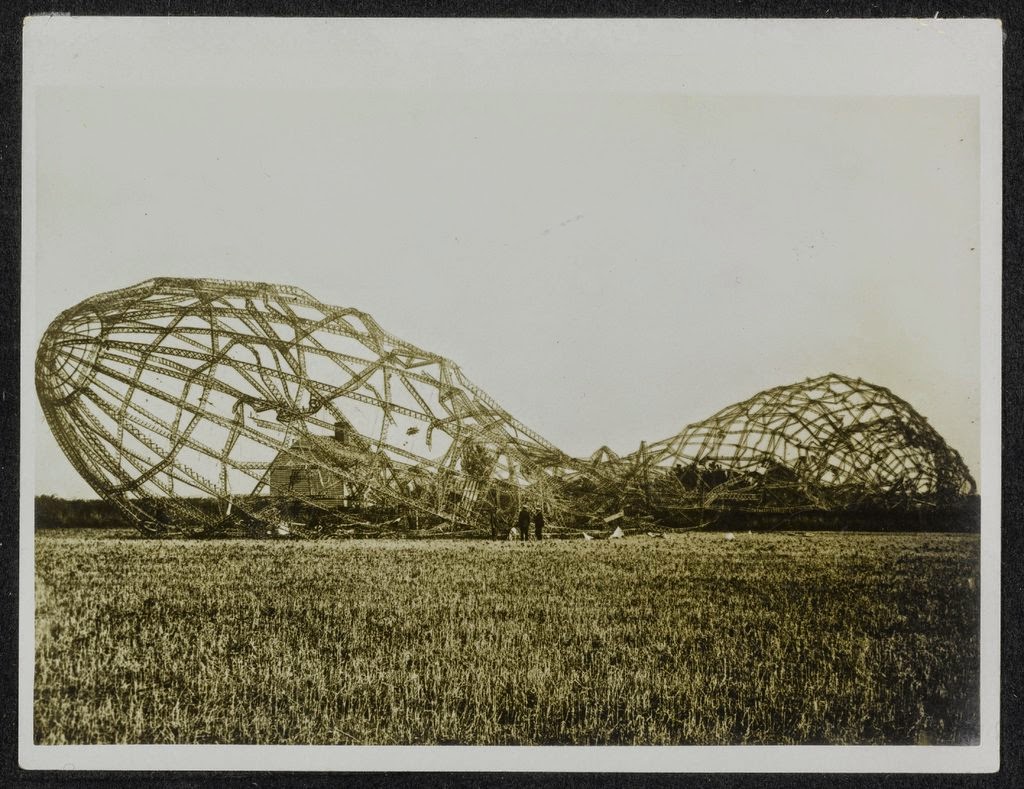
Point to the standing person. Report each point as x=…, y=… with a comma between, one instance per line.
x=524, y=524
x=538, y=524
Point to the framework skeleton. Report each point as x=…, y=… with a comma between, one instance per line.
x=828, y=443
x=215, y=407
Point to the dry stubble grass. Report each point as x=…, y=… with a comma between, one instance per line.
x=770, y=638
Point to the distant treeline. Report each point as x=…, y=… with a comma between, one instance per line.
x=962, y=517
x=53, y=512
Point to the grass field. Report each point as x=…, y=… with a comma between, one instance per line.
x=768, y=638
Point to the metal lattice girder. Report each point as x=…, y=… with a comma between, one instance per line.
x=178, y=389
x=200, y=405
x=826, y=443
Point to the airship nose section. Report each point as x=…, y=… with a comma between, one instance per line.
x=67, y=354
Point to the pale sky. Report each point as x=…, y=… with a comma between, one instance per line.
x=608, y=264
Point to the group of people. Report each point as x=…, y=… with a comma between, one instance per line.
x=521, y=531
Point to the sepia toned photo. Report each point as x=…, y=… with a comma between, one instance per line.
x=494, y=385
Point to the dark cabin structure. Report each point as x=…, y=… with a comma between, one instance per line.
x=306, y=469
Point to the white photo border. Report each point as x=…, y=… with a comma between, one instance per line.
x=702, y=57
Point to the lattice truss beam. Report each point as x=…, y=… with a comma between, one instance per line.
x=208, y=406
x=828, y=443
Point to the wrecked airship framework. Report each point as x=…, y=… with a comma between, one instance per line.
x=209, y=407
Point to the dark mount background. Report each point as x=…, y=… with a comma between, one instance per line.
x=1012, y=400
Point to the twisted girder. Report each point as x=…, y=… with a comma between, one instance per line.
x=827, y=442
x=176, y=393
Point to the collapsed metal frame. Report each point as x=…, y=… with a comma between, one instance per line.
x=828, y=443
x=181, y=400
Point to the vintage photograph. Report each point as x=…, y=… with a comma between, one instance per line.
x=491, y=383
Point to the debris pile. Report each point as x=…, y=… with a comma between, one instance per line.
x=209, y=408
